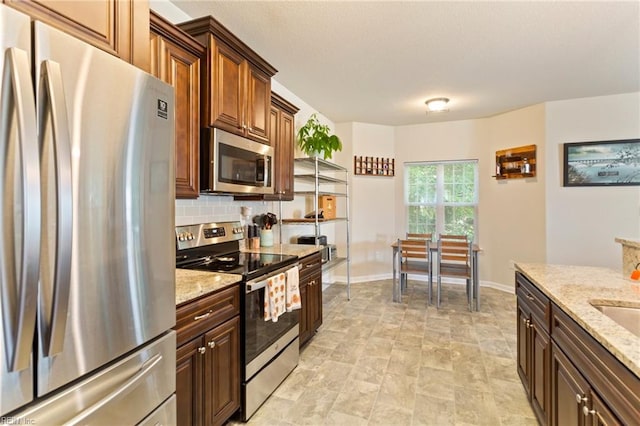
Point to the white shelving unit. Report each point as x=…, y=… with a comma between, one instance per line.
x=317, y=166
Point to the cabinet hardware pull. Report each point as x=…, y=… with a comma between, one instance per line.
x=580, y=398
x=212, y=344
x=586, y=411
x=530, y=297
x=202, y=350
x=203, y=316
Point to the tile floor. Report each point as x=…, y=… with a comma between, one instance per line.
x=374, y=362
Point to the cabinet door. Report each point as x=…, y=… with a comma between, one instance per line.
x=569, y=391
x=120, y=27
x=181, y=69
x=189, y=382
x=281, y=138
x=540, y=375
x=315, y=302
x=305, y=327
x=600, y=412
x=226, y=88
x=258, y=103
x=222, y=372
x=523, y=345
x=285, y=151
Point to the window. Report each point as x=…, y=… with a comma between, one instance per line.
x=442, y=197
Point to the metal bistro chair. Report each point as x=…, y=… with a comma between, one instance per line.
x=454, y=257
x=415, y=258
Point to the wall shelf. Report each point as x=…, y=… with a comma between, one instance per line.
x=516, y=163
x=373, y=166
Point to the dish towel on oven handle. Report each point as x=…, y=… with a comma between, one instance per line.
x=293, y=289
x=274, y=297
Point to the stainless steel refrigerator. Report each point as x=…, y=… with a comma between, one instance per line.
x=87, y=274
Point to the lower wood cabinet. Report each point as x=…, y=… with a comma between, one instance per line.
x=570, y=390
x=310, y=296
x=208, y=365
x=571, y=379
x=534, y=346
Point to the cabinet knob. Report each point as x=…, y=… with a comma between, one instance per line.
x=580, y=398
x=586, y=411
x=212, y=344
x=202, y=350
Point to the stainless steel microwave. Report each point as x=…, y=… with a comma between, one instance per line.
x=232, y=164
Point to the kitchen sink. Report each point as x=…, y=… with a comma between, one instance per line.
x=628, y=317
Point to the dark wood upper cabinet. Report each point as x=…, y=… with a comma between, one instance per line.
x=283, y=141
x=175, y=59
x=120, y=27
x=236, y=82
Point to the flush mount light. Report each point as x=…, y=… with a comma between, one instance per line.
x=437, y=105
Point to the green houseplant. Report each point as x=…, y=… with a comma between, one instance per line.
x=314, y=139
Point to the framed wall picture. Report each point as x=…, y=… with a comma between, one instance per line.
x=602, y=163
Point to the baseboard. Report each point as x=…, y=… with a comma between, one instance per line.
x=456, y=281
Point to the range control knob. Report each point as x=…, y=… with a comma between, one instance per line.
x=181, y=237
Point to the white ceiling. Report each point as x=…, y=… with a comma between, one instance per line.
x=378, y=61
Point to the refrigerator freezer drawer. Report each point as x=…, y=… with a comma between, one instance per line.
x=123, y=393
x=164, y=414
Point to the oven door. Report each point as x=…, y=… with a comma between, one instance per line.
x=234, y=164
x=264, y=338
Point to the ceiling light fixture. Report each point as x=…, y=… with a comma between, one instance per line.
x=437, y=105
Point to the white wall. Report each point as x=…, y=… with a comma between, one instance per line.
x=372, y=200
x=512, y=211
x=582, y=222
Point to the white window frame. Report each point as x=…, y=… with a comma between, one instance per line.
x=439, y=204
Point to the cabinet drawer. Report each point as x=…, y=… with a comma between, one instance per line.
x=200, y=315
x=310, y=264
x=537, y=302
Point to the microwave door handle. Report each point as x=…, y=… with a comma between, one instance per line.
x=267, y=171
x=20, y=275
x=52, y=112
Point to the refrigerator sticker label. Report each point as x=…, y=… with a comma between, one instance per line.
x=162, y=109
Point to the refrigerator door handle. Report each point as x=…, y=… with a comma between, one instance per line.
x=55, y=273
x=19, y=274
x=144, y=371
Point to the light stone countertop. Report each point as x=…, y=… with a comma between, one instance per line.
x=573, y=287
x=192, y=284
x=300, y=250
x=628, y=242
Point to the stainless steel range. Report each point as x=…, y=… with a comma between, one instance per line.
x=269, y=349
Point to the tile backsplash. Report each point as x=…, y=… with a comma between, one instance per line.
x=216, y=208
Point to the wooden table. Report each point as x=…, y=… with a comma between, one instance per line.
x=475, y=281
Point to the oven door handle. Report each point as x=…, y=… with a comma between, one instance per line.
x=261, y=282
